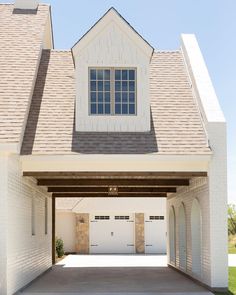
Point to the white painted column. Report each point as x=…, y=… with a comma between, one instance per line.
x=218, y=207
x=215, y=126
x=3, y=224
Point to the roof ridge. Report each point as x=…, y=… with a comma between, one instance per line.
x=60, y=50
x=12, y=4
x=167, y=51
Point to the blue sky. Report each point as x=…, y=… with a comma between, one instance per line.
x=161, y=23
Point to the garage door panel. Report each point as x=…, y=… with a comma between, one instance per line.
x=113, y=235
x=155, y=235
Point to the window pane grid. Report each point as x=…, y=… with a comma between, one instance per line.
x=125, y=92
x=106, y=99
x=100, y=97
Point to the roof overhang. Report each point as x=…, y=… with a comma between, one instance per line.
x=123, y=176
x=127, y=162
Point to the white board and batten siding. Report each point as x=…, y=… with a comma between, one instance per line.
x=112, y=44
x=112, y=233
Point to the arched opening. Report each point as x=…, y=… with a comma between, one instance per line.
x=172, y=257
x=182, y=238
x=196, y=233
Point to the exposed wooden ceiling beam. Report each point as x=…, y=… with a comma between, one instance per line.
x=105, y=195
x=104, y=189
x=116, y=182
x=68, y=174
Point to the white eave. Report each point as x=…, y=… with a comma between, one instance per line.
x=201, y=80
x=126, y=162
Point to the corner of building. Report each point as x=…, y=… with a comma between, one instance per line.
x=215, y=126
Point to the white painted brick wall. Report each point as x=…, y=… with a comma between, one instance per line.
x=3, y=225
x=199, y=189
x=27, y=256
x=215, y=125
x=218, y=207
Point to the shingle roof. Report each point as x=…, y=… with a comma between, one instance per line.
x=21, y=34
x=175, y=119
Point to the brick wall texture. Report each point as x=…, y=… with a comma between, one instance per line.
x=198, y=189
x=27, y=255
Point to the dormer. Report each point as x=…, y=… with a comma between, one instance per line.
x=112, y=77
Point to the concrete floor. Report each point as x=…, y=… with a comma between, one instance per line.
x=75, y=276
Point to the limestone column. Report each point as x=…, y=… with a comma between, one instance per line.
x=139, y=233
x=82, y=233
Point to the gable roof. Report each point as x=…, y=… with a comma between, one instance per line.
x=21, y=34
x=176, y=122
x=112, y=15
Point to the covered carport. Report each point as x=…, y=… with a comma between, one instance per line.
x=106, y=274
x=117, y=185
x=180, y=179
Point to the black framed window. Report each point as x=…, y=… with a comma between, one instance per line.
x=112, y=91
x=100, y=91
x=125, y=91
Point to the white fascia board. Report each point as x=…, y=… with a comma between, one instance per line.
x=9, y=148
x=112, y=16
x=187, y=163
x=201, y=80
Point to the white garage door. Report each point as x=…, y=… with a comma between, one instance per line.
x=112, y=233
x=155, y=234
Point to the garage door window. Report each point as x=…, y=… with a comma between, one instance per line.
x=122, y=217
x=156, y=217
x=102, y=217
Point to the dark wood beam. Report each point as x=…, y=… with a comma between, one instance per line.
x=115, y=182
x=105, y=195
x=82, y=189
x=71, y=174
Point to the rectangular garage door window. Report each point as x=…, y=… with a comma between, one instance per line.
x=122, y=217
x=156, y=217
x=102, y=217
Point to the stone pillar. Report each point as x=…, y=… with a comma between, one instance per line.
x=139, y=233
x=82, y=233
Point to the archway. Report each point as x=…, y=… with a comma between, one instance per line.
x=182, y=238
x=196, y=233
x=172, y=234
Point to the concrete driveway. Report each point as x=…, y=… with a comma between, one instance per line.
x=113, y=274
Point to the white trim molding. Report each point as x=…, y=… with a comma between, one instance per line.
x=187, y=163
x=201, y=80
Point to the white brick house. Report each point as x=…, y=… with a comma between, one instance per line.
x=112, y=119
